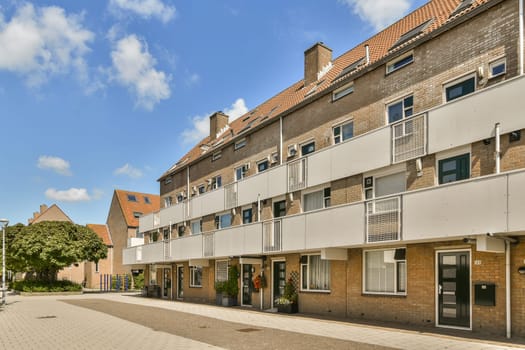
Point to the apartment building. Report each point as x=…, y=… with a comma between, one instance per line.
x=387, y=184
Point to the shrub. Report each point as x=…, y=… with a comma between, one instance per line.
x=45, y=287
x=138, y=281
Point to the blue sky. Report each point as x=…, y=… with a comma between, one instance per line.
x=99, y=95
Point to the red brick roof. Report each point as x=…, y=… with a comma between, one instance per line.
x=129, y=207
x=437, y=12
x=103, y=232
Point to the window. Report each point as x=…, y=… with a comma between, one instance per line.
x=316, y=200
x=385, y=271
x=97, y=267
x=181, y=197
x=240, y=172
x=223, y=221
x=454, y=169
x=167, y=201
x=167, y=180
x=181, y=229
x=247, y=216
x=343, y=91
x=279, y=209
x=262, y=165
x=137, y=214
x=132, y=198
x=384, y=185
x=202, y=189
x=154, y=236
x=221, y=270
x=459, y=88
x=399, y=62
x=147, y=200
x=239, y=144
x=216, y=156
x=315, y=273
x=153, y=274
x=401, y=109
x=343, y=132
x=307, y=148
x=195, y=276
x=196, y=227
x=166, y=234
x=216, y=182
x=497, y=67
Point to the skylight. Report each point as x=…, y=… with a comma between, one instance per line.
x=464, y=4
x=412, y=33
x=352, y=67
x=132, y=198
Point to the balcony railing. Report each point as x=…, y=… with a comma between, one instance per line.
x=297, y=174
x=409, y=139
x=383, y=220
x=272, y=238
x=208, y=245
x=230, y=195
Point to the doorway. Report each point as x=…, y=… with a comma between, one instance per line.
x=453, y=289
x=166, y=283
x=180, y=282
x=278, y=279
x=247, y=275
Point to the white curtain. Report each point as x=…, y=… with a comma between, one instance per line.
x=313, y=201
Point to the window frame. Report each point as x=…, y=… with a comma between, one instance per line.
x=326, y=193
x=242, y=174
x=341, y=126
x=194, y=269
x=239, y=144
x=343, y=91
x=304, y=144
x=391, y=67
x=457, y=81
x=456, y=157
x=243, y=217
x=397, y=290
x=495, y=63
x=262, y=161
x=404, y=108
x=131, y=197
x=192, y=222
x=218, y=220
x=216, y=156
x=216, y=182
x=168, y=201
x=201, y=189
x=307, y=266
x=217, y=262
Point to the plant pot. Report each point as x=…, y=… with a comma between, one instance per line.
x=229, y=301
x=218, y=298
x=288, y=308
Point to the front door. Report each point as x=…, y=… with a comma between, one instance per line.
x=246, y=284
x=279, y=278
x=454, y=289
x=180, y=282
x=166, y=284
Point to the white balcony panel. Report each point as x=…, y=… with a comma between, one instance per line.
x=517, y=202
x=134, y=241
x=173, y=214
x=472, y=118
x=456, y=210
x=359, y=155
x=146, y=223
x=129, y=256
x=211, y=202
x=185, y=248
x=152, y=253
x=335, y=227
x=294, y=233
x=319, y=165
x=277, y=182
x=240, y=240
x=249, y=188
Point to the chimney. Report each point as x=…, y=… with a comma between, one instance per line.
x=315, y=59
x=43, y=208
x=218, y=121
x=367, y=54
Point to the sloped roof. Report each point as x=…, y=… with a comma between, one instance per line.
x=103, y=232
x=53, y=213
x=436, y=12
x=129, y=207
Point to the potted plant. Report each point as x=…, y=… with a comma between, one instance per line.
x=288, y=303
x=231, y=287
x=219, y=290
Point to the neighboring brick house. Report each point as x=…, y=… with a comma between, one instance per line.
x=94, y=272
x=388, y=183
x=122, y=222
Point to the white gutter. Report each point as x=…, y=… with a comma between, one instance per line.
x=498, y=149
x=258, y=207
x=508, y=309
x=521, y=35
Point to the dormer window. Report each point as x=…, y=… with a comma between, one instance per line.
x=147, y=200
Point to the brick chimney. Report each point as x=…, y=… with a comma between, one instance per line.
x=218, y=121
x=315, y=59
x=43, y=208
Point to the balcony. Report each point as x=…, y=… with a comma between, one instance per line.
x=453, y=211
x=462, y=121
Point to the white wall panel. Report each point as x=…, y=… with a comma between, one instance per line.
x=173, y=214
x=293, y=233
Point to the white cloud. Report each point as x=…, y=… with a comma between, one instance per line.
x=201, y=123
x=71, y=195
x=129, y=170
x=57, y=164
x=40, y=42
x=193, y=79
x=145, y=8
x=133, y=67
x=379, y=13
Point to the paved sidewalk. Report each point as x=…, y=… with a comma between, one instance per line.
x=48, y=323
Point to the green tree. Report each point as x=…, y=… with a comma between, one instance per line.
x=44, y=248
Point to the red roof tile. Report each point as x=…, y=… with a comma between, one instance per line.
x=103, y=232
x=140, y=206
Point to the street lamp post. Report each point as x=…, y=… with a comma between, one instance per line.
x=3, y=223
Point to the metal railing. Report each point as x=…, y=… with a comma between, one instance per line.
x=383, y=220
x=272, y=237
x=297, y=174
x=409, y=138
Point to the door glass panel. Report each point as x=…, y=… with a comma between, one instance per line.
x=449, y=312
x=449, y=273
x=449, y=260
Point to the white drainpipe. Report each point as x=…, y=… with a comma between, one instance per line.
x=521, y=35
x=498, y=149
x=259, y=207
x=281, y=140
x=367, y=53
x=507, y=290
